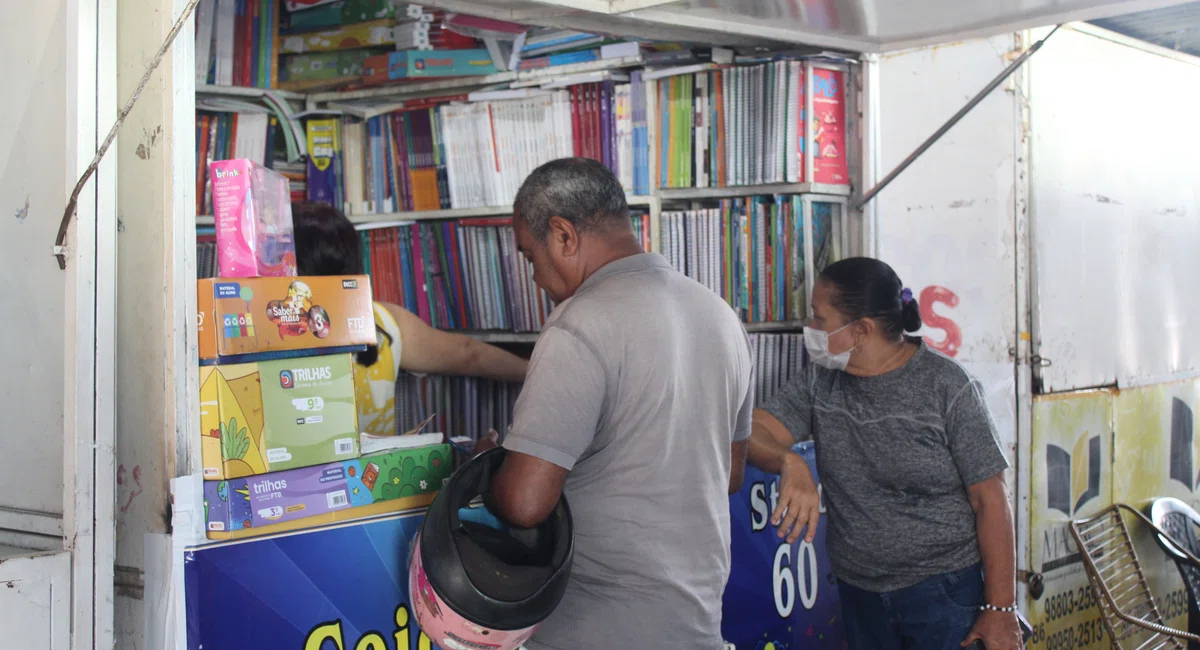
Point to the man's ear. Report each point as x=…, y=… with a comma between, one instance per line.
x=563, y=236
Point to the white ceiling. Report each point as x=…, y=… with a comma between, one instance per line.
x=857, y=25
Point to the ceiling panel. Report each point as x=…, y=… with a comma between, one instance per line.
x=1175, y=28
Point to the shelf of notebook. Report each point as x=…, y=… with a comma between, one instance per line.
x=732, y=191
x=433, y=87
x=246, y=92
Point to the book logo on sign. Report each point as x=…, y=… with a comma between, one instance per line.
x=1072, y=482
x=286, y=380
x=356, y=324
x=1183, y=445
x=1073, y=479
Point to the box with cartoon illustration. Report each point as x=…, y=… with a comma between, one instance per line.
x=275, y=415
x=262, y=318
x=260, y=505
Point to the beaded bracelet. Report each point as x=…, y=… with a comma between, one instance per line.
x=992, y=608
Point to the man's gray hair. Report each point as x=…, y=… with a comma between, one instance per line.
x=580, y=190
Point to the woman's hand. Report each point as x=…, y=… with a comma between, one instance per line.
x=996, y=630
x=799, y=504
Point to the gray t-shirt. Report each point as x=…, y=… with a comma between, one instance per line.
x=638, y=385
x=896, y=453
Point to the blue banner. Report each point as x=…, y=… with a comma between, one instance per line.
x=347, y=588
x=780, y=596
x=332, y=589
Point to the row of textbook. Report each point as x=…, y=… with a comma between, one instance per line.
x=733, y=126
x=464, y=274
x=754, y=252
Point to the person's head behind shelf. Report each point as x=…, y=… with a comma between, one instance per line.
x=570, y=217
x=326, y=241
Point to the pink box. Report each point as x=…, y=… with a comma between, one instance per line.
x=252, y=211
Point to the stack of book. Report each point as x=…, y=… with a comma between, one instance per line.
x=236, y=43
x=746, y=125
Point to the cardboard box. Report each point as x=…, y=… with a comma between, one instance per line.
x=260, y=505
x=269, y=318
x=345, y=37
x=324, y=66
x=398, y=66
x=275, y=415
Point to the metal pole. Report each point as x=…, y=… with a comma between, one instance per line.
x=1012, y=67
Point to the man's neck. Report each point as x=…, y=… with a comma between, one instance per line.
x=609, y=250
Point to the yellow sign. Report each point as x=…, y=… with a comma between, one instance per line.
x=1071, y=479
x=1157, y=454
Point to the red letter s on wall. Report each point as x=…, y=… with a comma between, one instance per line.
x=953, y=339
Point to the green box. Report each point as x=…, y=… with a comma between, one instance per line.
x=346, y=12
x=309, y=413
x=325, y=66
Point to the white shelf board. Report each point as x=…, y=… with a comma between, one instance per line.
x=426, y=88
x=390, y=219
x=531, y=337
x=778, y=326
x=689, y=193
x=242, y=91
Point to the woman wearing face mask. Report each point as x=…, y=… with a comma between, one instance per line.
x=920, y=532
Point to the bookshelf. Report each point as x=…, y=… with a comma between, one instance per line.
x=389, y=219
x=667, y=115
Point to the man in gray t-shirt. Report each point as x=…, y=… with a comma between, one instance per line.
x=637, y=406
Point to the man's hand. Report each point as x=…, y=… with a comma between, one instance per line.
x=486, y=442
x=996, y=630
x=799, y=504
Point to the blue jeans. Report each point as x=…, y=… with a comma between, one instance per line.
x=936, y=614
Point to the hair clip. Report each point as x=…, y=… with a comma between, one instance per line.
x=906, y=296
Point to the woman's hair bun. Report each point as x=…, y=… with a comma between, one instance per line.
x=910, y=313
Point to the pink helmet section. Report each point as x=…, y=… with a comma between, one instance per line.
x=444, y=626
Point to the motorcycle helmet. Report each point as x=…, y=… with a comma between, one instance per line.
x=477, y=586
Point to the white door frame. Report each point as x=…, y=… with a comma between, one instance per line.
x=89, y=418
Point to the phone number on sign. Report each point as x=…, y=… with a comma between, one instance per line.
x=1082, y=635
x=1068, y=603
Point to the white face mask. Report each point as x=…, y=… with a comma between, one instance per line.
x=817, y=343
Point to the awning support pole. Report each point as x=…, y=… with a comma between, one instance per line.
x=962, y=112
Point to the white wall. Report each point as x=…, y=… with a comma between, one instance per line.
x=947, y=224
x=33, y=191
x=1116, y=212
x=156, y=180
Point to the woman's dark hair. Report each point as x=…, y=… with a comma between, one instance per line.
x=328, y=244
x=868, y=288
x=326, y=241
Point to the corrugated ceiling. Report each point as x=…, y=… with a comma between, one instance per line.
x=1176, y=28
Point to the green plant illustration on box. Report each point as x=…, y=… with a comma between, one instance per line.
x=235, y=442
x=410, y=474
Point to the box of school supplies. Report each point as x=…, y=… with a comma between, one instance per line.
x=260, y=318
x=252, y=214
x=416, y=64
x=361, y=487
x=269, y=416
